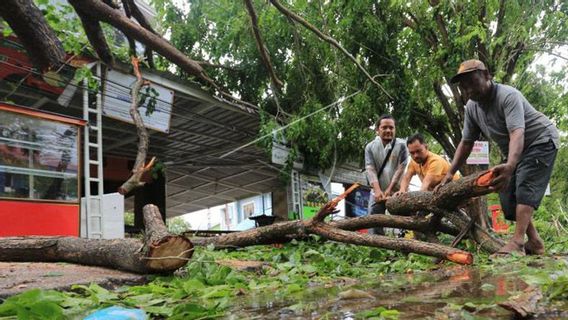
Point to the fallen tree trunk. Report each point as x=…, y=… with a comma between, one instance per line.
x=443, y=204
x=286, y=231
x=160, y=252
x=316, y=225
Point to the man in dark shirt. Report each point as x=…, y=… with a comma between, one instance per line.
x=527, y=139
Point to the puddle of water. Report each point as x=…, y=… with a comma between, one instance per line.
x=453, y=293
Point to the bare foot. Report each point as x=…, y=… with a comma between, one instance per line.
x=509, y=248
x=534, y=247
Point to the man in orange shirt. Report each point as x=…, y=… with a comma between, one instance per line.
x=430, y=167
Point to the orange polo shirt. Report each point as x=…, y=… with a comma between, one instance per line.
x=435, y=165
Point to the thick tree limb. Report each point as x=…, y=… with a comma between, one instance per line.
x=403, y=245
x=143, y=139
x=139, y=16
x=449, y=197
x=285, y=231
x=27, y=21
x=316, y=225
x=481, y=236
x=511, y=63
x=327, y=39
x=160, y=253
x=440, y=22
x=436, y=128
x=96, y=38
x=131, y=42
x=445, y=202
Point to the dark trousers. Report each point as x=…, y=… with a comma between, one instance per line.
x=378, y=208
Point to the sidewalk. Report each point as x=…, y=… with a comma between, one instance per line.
x=16, y=277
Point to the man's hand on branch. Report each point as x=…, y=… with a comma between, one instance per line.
x=502, y=175
x=447, y=178
x=379, y=195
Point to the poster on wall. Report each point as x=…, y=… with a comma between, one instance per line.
x=479, y=153
x=357, y=202
x=116, y=102
x=313, y=196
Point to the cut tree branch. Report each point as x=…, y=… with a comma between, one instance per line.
x=327, y=39
x=283, y=232
x=512, y=60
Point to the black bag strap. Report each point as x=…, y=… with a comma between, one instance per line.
x=386, y=159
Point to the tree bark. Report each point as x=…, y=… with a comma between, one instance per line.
x=134, y=181
x=286, y=231
x=159, y=253
x=40, y=41
x=446, y=201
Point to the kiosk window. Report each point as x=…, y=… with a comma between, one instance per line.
x=38, y=158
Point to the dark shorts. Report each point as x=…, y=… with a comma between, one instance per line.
x=529, y=181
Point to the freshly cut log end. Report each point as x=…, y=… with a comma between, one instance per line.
x=169, y=253
x=484, y=180
x=461, y=257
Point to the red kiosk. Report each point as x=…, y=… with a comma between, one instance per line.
x=39, y=172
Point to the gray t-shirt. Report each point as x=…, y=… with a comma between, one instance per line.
x=507, y=111
x=375, y=154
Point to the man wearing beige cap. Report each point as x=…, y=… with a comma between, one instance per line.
x=528, y=141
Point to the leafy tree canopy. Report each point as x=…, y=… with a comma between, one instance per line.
x=412, y=48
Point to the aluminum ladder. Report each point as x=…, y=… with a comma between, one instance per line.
x=296, y=193
x=93, y=141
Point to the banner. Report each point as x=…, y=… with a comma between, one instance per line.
x=117, y=99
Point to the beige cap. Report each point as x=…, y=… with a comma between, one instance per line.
x=467, y=67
